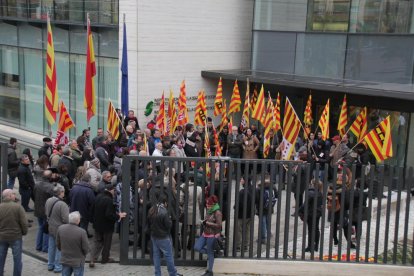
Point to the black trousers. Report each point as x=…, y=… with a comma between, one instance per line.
x=101, y=242
x=315, y=230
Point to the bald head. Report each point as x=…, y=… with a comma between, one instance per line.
x=8, y=194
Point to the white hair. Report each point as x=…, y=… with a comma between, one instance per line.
x=74, y=217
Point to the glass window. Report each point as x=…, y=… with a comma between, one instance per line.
x=92, y=7
x=78, y=41
x=62, y=10
x=328, y=15
x=60, y=39
x=274, y=51
x=108, y=12
x=380, y=58
x=280, y=15
x=8, y=34
x=35, y=9
x=30, y=36
x=379, y=16
x=32, y=90
x=108, y=40
x=9, y=85
x=320, y=55
x=76, y=10
x=62, y=73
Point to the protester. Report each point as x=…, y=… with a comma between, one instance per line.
x=245, y=215
x=26, y=182
x=93, y=168
x=56, y=156
x=73, y=243
x=234, y=143
x=13, y=225
x=212, y=228
x=12, y=163
x=57, y=212
x=160, y=225
x=47, y=147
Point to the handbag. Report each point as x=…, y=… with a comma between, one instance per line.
x=46, y=225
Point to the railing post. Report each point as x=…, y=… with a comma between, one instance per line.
x=126, y=179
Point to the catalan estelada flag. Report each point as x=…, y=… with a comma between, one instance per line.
x=90, y=96
x=161, y=115
x=343, y=117
x=182, y=106
x=51, y=93
x=245, y=121
x=307, y=116
x=324, y=122
x=359, y=126
x=235, y=99
x=276, y=112
x=113, y=121
x=218, y=102
x=65, y=123
x=172, y=114
x=291, y=128
x=201, y=110
x=268, y=126
x=259, y=108
x=379, y=140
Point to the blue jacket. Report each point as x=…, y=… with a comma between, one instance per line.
x=82, y=198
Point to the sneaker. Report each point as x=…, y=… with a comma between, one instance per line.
x=92, y=264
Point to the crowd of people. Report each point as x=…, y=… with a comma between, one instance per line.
x=81, y=182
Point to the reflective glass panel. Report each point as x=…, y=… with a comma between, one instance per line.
x=328, y=15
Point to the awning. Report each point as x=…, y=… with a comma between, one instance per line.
x=367, y=88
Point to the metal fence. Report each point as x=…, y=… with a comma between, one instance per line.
x=3, y=165
x=273, y=209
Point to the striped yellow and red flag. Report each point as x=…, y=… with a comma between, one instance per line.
x=324, y=122
x=235, y=99
x=291, y=128
x=379, y=140
x=65, y=123
x=276, y=112
x=201, y=110
x=307, y=116
x=245, y=121
x=182, y=106
x=90, y=96
x=359, y=126
x=172, y=115
x=224, y=119
x=230, y=124
x=253, y=100
x=218, y=102
x=161, y=115
x=259, y=108
x=218, y=151
x=113, y=121
x=51, y=93
x=343, y=117
x=268, y=126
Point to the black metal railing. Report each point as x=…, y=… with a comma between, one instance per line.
x=273, y=209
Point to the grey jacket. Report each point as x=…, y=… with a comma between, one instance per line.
x=58, y=216
x=73, y=243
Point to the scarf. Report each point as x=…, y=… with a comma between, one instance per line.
x=214, y=208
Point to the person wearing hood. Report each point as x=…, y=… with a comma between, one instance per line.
x=93, y=168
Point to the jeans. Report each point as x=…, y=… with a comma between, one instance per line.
x=265, y=225
x=10, y=182
x=53, y=259
x=16, y=247
x=164, y=246
x=206, y=246
x=68, y=270
x=42, y=239
x=25, y=195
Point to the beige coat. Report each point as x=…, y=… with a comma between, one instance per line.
x=250, y=147
x=189, y=206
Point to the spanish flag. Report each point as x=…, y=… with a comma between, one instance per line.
x=51, y=93
x=90, y=96
x=379, y=140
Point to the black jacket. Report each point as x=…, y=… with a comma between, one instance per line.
x=104, y=213
x=190, y=147
x=82, y=198
x=12, y=161
x=159, y=221
x=313, y=195
x=234, y=145
x=45, y=150
x=70, y=164
x=103, y=157
x=246, y=191
x=25, y=176
x=42, y=192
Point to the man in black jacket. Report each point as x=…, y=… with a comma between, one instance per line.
x=160, y=224
x=12, y=163
x=47, y=148
x=104, y=218
x=68, y=161
x=245, y=214
x=26, y=182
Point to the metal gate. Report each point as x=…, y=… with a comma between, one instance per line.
x=3, y=165
x=268, y=207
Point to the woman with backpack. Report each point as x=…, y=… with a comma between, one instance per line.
x=205, y=244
